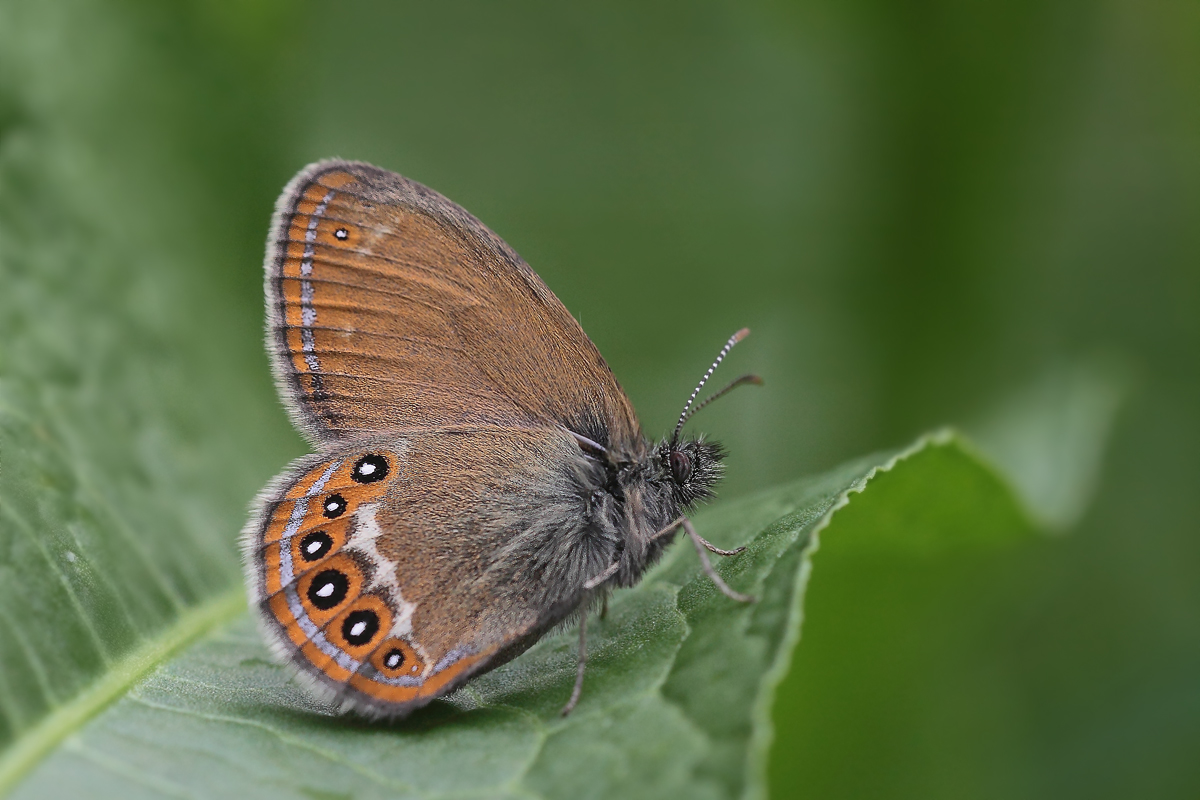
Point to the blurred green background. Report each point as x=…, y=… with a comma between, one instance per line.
x=920, y=209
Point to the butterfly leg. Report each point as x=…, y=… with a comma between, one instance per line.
x=709, y=546
x=603, y=576
x=674, y=526
x=702, y=547
x=578, y=690
x=604, y=607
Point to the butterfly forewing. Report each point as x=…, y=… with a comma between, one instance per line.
x=390, y=307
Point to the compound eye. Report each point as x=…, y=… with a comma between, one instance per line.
x=681, y=466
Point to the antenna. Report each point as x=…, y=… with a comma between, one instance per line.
x=683, y=417
x=729, y=387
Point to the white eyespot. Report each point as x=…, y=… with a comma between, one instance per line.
x=393, y=660
x=357, y=629
x=314, y=546
x=325, y=591
x=367, y=468
x=414, y=668
x=331, y=506
x=341, y=234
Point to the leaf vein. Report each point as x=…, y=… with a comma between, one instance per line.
x=291, y=741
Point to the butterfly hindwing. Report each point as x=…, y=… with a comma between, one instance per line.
x=391, y=570
x=390, y=307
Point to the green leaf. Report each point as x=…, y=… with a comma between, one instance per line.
x=676, y=702
x=140, y=147
x=1050, y=436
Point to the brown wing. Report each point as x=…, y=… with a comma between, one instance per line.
x=389, y=307
x=451, y=554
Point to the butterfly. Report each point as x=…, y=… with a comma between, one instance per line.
x=479, y=475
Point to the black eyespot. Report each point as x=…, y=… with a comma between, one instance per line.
x=342, y=234
x=681, y=466
x=315, y=545
x=335, y=506
x=328, y=589
x=370, y=468
x=360, y=627
x=394, y=659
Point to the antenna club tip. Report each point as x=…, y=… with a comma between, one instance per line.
x=755, y=379
x=742, y=334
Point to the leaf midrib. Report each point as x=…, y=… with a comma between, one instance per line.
x=35, y=743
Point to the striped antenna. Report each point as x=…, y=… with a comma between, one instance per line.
x=683, y=417
x=729, y=387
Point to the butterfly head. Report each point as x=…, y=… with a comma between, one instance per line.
x=693, y=468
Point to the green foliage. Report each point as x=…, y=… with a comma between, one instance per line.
x=978, y=214
x=678, y=691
